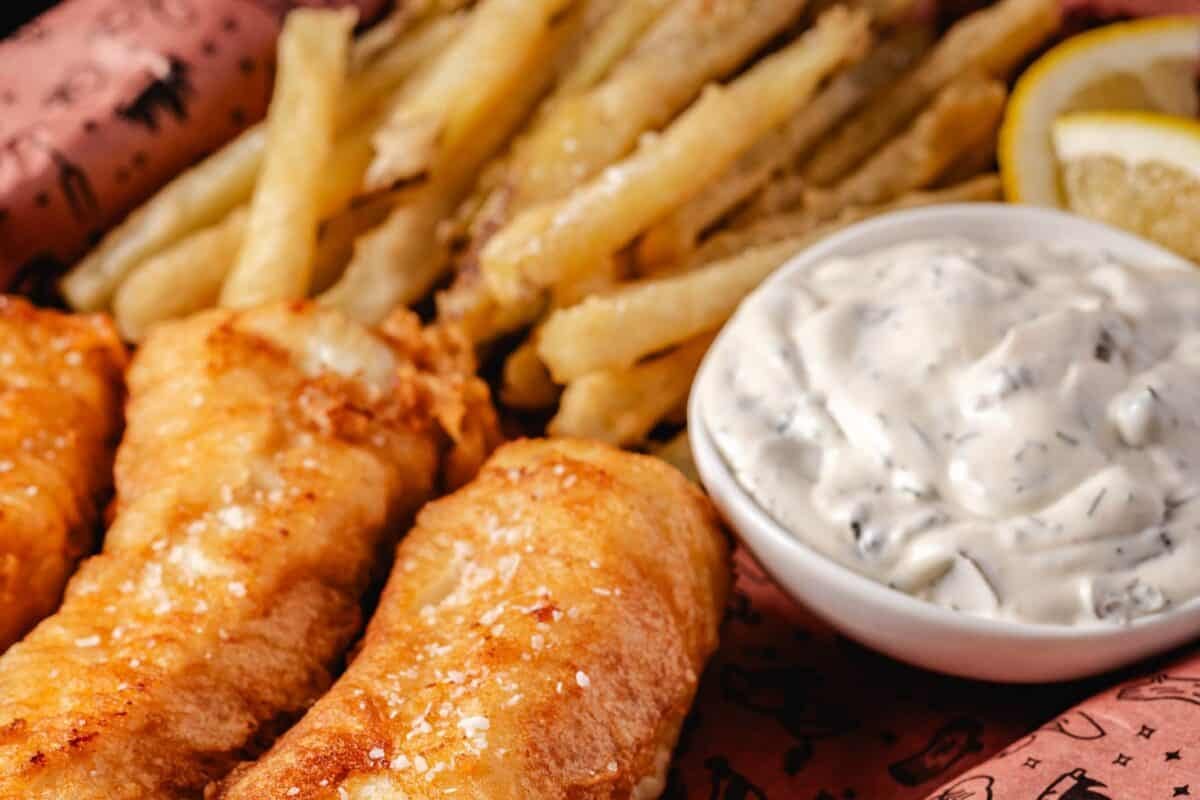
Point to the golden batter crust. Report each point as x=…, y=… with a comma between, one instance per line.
x=541, y=636
x=61, y=389
x=267, y=456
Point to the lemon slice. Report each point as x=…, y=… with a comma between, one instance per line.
x=1136, y=170
x=1147, y=65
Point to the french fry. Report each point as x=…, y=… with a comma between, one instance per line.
x=937, y=137
x=618, y=329
x=399, y=261
x=548, y=243
x=379, y=78
x=695, y=42
x=883, y=12
x=275, y=261
x=196, y=198
x=590, y=16
x=204, y=258
x=525, y=382
x=845, y=95
x=886, y=12
x=789, y=192
x=610, y=42
x=576, y=133
x=201, y=196
x=975, y=151
x=579, y=134
x=395, y=263
x=205, y=194
x=451, y=101
x=964, y=114
x=783, y=194
x=385, y=33
x=980, y=189
x=671, y=238
x=993, y=41
x=336, y=238
x=470, y=305
x=677, y=451
x=390, y=36
x=620, y=406
x=975, y=160
x=593, y=16
x=341, y=176
x=604, y=278
x=183, y=279
x=805, y=228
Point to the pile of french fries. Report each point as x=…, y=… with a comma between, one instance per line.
x=605, y=178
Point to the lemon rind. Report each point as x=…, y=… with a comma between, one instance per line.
x=1038, y=81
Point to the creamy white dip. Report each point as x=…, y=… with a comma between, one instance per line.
x=1014, y=433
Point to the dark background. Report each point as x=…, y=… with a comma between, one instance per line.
x=15, y=13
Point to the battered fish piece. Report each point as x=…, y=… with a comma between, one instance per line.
x=61, y=389
x=268, y=454
x=540, y=637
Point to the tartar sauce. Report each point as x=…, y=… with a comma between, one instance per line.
x=1011, y=432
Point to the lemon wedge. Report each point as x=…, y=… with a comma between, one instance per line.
x=1136, y=170
x=1146, y=65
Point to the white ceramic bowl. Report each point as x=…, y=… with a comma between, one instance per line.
x=897, y=624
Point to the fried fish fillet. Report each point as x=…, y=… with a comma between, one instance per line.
x=61, y=379
x=267, y=455
x=540, y=637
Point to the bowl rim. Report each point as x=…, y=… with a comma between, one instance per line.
x=718, y=479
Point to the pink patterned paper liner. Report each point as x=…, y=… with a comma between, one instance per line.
x=788, y=709
x=1137, y=741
